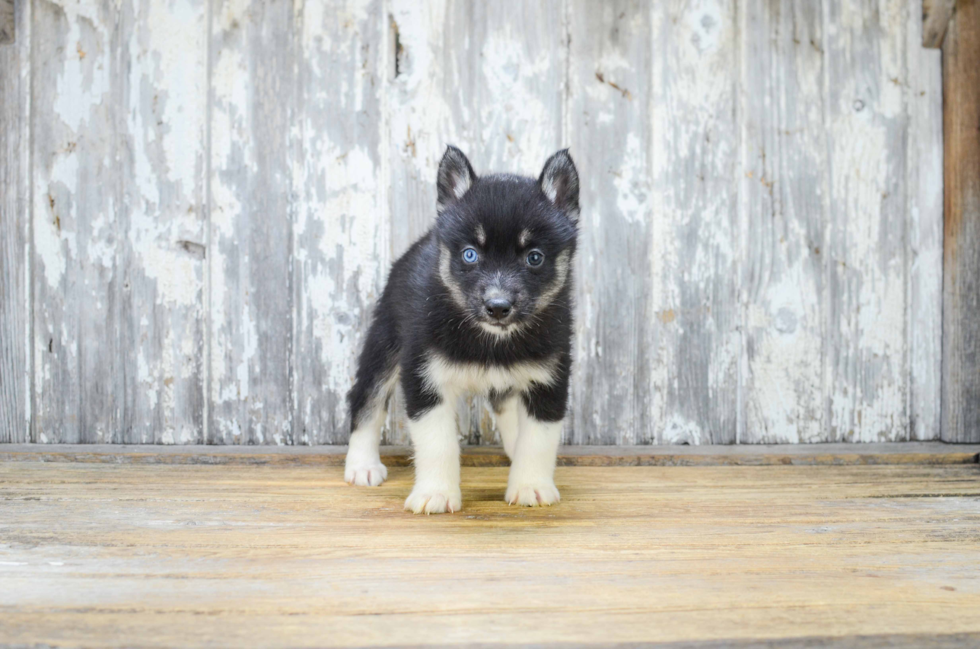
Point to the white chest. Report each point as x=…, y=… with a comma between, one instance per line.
x=459, y=379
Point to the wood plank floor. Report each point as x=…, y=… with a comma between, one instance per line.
x=106, y=555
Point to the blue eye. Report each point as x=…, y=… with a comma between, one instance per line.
x=535, y=258
x=470, y=256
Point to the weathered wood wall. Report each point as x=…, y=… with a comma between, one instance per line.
x=201, y=199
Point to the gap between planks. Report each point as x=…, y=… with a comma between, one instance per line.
x=922, y=453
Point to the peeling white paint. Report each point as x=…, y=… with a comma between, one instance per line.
x=633, y=184
x=680, y=430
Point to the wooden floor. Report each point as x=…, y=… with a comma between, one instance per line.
x=100, y=554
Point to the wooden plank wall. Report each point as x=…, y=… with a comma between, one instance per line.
x=214, y=190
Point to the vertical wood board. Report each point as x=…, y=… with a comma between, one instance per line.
x=617, y=336
x=925, y=208
x=694, y=284
x=783, y=203
x=340, y=230
x=865, y=365
x=74, y=113
x=255, y=98
x=161, y=160
x=961, y=281
x=15, y=368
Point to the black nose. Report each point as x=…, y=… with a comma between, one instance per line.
x=497, y=308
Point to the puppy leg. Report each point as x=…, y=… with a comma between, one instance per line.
x=436, y=443
x=377, y=375
x=507, y=424
x=363, y=466
x=532, y=471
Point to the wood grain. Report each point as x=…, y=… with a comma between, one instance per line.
x=161, y=148
x=262, y=556
x=15, y=366
x=8, y=25
x=961, y=265
x=255, y=97
x=925, y=242
x=118, y=121
x=866, y=364
x=617, y=341
x=78, y=275
x=694, y=284
x=783, y=203
x=935, y=19
x=340, y=248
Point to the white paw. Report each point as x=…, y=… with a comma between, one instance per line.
x=365, y=472
x=533, y=495
x=434, y=501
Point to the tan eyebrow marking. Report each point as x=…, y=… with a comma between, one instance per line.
x=481, y=235
x=524, y=238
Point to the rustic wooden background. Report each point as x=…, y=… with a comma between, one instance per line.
x=201, y=200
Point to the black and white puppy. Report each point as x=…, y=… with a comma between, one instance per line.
x=479, y=305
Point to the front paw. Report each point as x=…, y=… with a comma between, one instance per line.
x=434, y=500
x=533, y=494
x=365, y=472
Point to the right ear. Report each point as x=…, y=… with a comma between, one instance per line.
x=455, y=177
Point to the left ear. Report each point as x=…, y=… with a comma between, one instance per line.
x=559, y=182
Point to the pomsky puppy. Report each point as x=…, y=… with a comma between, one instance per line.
x=479, y=305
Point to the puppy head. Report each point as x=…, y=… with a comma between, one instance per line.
x=506, y=242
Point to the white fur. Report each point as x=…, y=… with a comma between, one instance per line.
x=481, y=235
x=434, y=434
x=507, y=424
x=363, y=466
x=532, y=470
x=436, y=445
x=456, y=379
x=500, y=332
x=463, y=183
x=548, y=187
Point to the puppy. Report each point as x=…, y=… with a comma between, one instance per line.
x=479, y=305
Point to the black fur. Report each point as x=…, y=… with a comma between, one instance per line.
x=418, y=313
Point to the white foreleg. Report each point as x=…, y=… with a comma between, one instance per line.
x=532, y=471
x=363, y=466
x=507, y=424
x=436, y=443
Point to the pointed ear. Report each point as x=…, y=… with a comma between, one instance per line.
x=559, y=182
x=455, y=177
